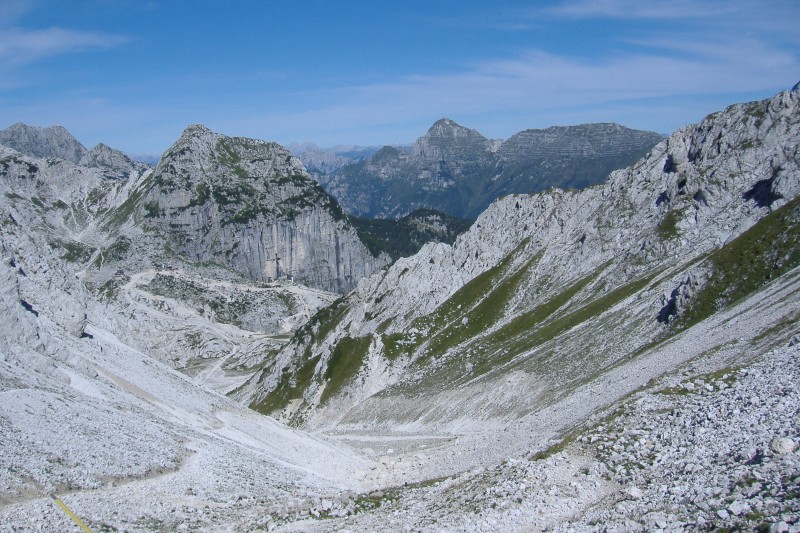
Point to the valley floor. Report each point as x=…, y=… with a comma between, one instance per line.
x=710, y=451
x=700, y=434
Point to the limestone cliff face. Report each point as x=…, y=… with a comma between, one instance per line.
x=251, y=205
x=556, y=288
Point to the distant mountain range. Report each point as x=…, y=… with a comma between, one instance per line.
x=323, y=162
x=460, y=172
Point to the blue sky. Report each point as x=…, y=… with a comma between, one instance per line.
x=134, y=74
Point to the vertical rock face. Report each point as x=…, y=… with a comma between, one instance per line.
x=251, y=205
x=54, y=141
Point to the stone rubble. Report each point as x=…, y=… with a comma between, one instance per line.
x=695, y=455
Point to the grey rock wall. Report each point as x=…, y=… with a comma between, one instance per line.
x=251, y=205
x=54, y=141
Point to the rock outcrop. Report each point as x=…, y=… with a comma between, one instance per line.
x=251, y=205
x=54, y=141
x=115, y=163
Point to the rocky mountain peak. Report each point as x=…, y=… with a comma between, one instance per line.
x=447, y=140
x=252, y=205
x=115, y=163
x=446, y=125
x=600, y=139
x=458, y=171
x=199, y=149
x=35, y=141
x=193, y=130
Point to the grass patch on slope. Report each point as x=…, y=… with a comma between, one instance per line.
x=292, y=384
x=474, y=308
x=764, y=252
x=346, y=358
x=668, y=228
x=442, y=319
x=323, y=322
x=529, y=331
x=484, y=314
x=74, y=251
x=126, y=210
x=290, y=387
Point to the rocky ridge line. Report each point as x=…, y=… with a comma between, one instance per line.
x=694, y=192
x=459, y=171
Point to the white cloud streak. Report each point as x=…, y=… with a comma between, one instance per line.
x=636, y=9
x=20, y=46
x=541, y=83
x=719, y=50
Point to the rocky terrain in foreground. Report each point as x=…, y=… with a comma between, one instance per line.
x=621, y=358
x=696, y=451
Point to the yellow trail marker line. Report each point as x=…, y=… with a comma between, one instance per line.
x=70, y=513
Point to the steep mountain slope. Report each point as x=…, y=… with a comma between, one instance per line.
x=550, y=298
x=126, y=441
x=459, y=171
x=192, y=311
x=97, y=317
x=251, y=206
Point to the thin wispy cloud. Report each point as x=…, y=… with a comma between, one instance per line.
x=634, y=9
x=20, y=46
x=541, y=81
x=289, y=74
x=11, y=10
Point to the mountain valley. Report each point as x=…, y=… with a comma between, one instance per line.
x=213, y=344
